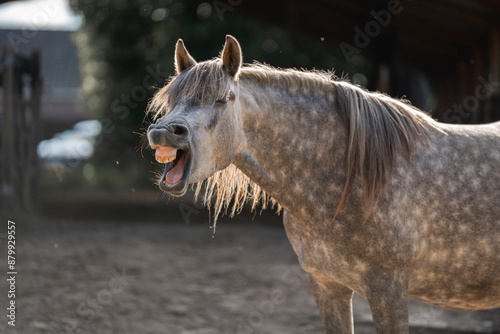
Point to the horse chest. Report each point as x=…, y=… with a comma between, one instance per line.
x=324, y=255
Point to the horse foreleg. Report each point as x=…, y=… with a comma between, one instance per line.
x=387, y=295
x=335, y=306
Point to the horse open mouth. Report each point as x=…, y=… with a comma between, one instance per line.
x=176, y=168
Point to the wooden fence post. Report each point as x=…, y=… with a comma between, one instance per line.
x=8, y=125
x=21, y=97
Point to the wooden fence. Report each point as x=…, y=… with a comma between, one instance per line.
x=20, y=95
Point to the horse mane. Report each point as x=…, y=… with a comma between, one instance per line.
x=379, y=129
x=231, y=189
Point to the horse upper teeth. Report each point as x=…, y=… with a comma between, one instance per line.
x=165, y=160
x=165, y=155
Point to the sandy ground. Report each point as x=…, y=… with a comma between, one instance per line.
x=172, y=275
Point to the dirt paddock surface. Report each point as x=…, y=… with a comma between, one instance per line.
x=140, y=277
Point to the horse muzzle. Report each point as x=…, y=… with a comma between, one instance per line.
x=172, y=135
x=172, y=148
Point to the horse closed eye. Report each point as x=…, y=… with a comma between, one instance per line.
x=221, y=102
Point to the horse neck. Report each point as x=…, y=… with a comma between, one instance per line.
x=295, y=146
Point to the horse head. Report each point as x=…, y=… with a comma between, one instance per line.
x=196, y=132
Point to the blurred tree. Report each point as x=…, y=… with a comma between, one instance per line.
x=123, y=48
x=126, y=50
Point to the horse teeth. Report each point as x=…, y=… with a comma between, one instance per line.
x=165, y=160
x=165, y=155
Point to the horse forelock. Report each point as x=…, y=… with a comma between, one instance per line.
x=202, y=84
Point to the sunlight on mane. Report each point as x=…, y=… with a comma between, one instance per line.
x=204, y=83
x=231, y=189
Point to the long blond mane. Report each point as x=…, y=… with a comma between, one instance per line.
x=379, y=128
x=231, y=189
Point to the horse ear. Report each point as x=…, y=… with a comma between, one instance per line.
x=183, y=59
x=231, y=56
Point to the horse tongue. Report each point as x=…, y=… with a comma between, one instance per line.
x=175, y=174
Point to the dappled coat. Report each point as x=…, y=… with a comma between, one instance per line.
x=378, y=198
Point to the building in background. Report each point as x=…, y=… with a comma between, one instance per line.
x=39, y=80
x=46, y=26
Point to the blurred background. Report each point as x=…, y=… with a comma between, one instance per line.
x=76, y=77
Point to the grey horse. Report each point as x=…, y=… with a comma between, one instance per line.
x=378, y=198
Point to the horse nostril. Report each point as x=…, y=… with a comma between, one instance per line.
x=177, y=129
x=180, y=131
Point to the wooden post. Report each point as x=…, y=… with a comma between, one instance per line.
x=9, y=159
x=30, y=132
x=20, y=128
